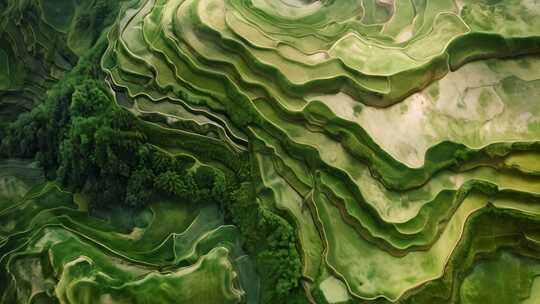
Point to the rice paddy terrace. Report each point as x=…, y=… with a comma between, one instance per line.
x=393, y=146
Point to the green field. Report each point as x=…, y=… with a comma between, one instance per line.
x=270, y=151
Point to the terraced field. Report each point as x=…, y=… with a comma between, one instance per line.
x=55, y=251
x=389, y=151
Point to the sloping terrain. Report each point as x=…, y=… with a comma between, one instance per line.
x=53, y=249
x=392, y=150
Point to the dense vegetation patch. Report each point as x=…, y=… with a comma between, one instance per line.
x=90, y=145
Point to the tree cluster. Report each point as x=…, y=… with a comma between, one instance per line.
x=90, y=145
x=271, y=238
